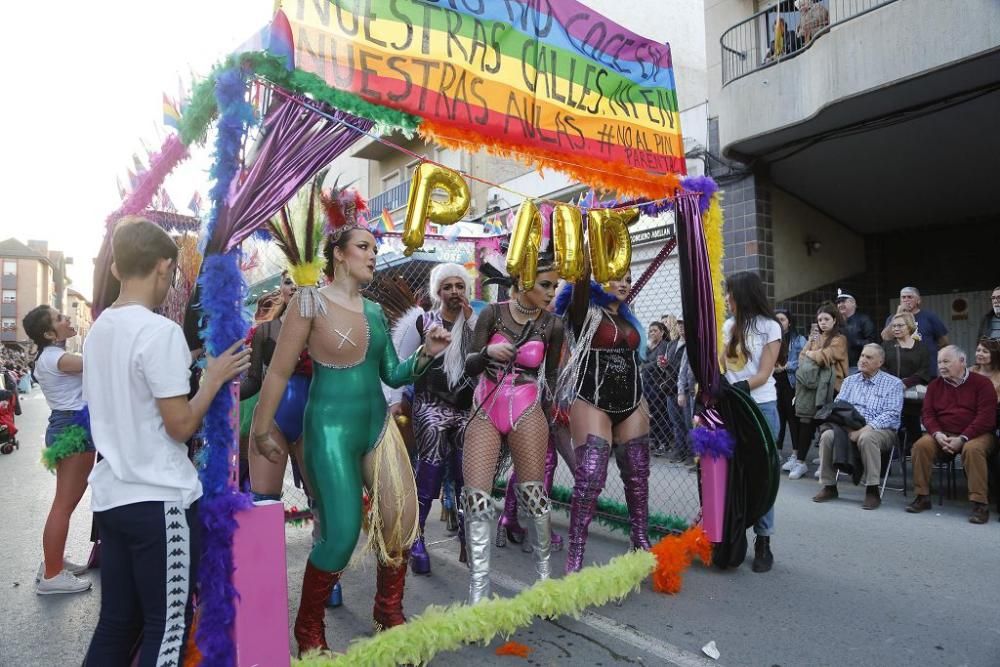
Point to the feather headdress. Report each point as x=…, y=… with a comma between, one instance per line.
x=343, y=208
x=299, y=235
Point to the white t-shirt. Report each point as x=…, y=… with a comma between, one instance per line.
x=62, y=391
x=762, y=331
x=131, y=358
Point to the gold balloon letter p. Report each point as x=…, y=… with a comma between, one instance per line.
x=421, y=208
x=522, y=255
x=610, y=244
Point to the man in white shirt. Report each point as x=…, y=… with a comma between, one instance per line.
x=144, y=489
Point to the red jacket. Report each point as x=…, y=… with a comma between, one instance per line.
x=969, y=409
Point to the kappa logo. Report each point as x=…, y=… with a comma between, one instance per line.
x=176, y=628
x=178, y=552
x=178, y=591
x=177, y=603
x=177, y=538
x=173, y=511
x=178, y=566
x=177, y=578
x=174, y=525
x=172, y=649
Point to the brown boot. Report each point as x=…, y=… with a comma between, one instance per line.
x=980, y=513
x=310, y=626
x=872, y=498
x=388, y=611
x=919, y=504
x=826, y=494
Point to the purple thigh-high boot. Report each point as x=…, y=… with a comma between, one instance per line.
x=551, y=463
x=633, y=466
x=590, y=475
x=429, y=476
x=508, y=527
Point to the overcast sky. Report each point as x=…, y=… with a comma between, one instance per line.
x=83, y=85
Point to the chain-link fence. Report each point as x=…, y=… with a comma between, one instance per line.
x=674, y=503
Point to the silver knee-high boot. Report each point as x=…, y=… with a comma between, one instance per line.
x=478, y=508
x=534, y=512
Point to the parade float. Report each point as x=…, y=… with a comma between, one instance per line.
x=554, y=85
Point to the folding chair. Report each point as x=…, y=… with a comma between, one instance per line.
x=898, y=451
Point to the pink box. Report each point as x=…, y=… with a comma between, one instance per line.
x=260, y=578
x=714, y=476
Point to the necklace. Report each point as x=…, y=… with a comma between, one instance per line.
x=524, y=311
x=128, y=302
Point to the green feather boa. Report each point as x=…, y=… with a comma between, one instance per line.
x=200, y=111
x=610, y=513
x=71, y=440
x=450, y=628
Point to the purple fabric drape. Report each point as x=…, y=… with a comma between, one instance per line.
x=697, y=297
x=297, y=144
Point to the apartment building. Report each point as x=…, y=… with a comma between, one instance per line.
x=856, y=142
x=30, y=274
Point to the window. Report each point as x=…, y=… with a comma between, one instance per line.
x=10, y=296
x=8, y=325
x=390, y=180
x=10, y=267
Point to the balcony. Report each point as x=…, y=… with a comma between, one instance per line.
x=392, y=199
x=784, y=81
x=866, y=121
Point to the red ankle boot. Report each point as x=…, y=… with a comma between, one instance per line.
x=310, y=625
x=388, y=611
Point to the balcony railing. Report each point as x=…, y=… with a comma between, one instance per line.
x=391, y=199
x=781, y=32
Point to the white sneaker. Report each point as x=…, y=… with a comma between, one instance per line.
x=798, y=470
x=68, y=565
x=64, y=582
x=790, y=463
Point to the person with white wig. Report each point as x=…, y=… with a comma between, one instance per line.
x=442, y=397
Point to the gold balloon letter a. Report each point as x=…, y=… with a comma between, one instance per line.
x=522, y=255
x=567, y=236
x=610, y=245
x=421, y=208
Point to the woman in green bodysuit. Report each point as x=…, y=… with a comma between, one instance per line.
x=350, y=443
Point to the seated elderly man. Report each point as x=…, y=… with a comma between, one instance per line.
x=878, y=397
x=960, y=415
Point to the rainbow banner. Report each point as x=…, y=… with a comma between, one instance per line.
x=547, y=78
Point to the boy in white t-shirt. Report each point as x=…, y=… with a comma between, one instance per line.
x=144, y=489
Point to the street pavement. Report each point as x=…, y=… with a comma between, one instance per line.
x=849, y=587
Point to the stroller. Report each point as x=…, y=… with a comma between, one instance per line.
x=8, y=431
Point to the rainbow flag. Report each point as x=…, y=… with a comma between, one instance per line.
x=171, y=116
x=385, y=222
x=555, y=80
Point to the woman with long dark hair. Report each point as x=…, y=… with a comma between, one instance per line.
x=519, y=342
x=60, y=375
x=827, y=348
x=792, y=343
x=751, y=341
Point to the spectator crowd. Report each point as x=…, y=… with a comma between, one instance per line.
x=854, y=392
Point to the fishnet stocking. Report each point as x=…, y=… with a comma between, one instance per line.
x=528, y=446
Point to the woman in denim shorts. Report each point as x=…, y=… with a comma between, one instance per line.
x=69, y=449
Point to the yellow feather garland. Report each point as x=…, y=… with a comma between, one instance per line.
x=450, y=628
x=712, y=222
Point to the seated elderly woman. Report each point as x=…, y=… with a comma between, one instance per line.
x=907, y=358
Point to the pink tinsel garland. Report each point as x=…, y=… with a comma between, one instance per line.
x=161, y=164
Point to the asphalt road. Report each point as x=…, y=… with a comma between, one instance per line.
x=848, y=588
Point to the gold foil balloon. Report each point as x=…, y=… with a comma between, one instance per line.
x=421, y=208
x=610, y=244
x=567, y=238
x=522, y=255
